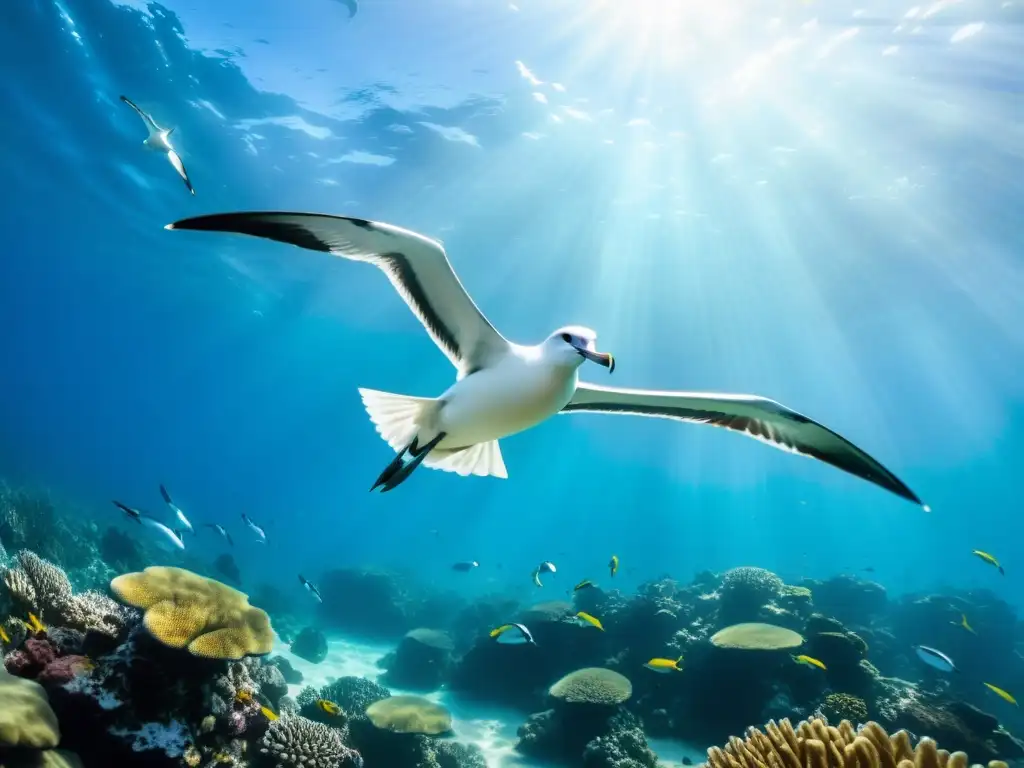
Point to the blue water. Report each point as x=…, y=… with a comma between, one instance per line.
x=736, y=198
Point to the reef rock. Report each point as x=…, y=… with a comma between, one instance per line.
x=421, y=662
x=311, y=645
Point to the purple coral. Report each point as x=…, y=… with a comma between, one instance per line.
x=32, y=658
x=65, y=668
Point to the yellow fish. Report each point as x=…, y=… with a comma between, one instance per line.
x=4, y=636
x=613, y=565
x=808, y=661
x=583, y=619
x=329, y=707
x=583, y=585
x=965, y=625
x=268, y=713
x=664, y=666
x=1001, y=694
x=34, y=624
x=989, y=559
x=243, y=697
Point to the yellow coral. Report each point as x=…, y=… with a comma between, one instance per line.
x=185, y=610
x=410, y=714
x=26, y=719
x=816, y=744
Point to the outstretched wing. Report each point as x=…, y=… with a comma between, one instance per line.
x=151, y=126
x=756, y=417
x=180, y=168
x=417, y=267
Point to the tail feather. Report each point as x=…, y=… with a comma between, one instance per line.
x=482, y=459
x=395, y=416
x=398, y=420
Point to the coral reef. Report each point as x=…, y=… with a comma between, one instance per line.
x=817, y=744
x=744, y=592
x=185, y=610
x=295, y=742
x=38, y=586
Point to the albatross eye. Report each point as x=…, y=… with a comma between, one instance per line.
x=567, y=338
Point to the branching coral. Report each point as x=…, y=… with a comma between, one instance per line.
x=295, y=742
x=39, y=586
x=815, y=744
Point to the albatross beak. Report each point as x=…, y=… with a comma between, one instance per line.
x=601, y=358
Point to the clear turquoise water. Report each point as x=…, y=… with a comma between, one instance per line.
x=736, y=197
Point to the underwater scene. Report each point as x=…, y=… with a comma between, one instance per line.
x=292, y=292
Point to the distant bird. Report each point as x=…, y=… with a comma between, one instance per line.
x=254, y=528
x=159, y=140
x=176, y=510
x=352, y=5
x=311, y=588
x=221, y=530
x=502, y=388
x=166, y=535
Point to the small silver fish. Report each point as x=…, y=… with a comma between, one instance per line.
x=166, y=537
x=311, y=588
x=254, y=528
x=176, y=510
x=221, y=530
x=513, y=634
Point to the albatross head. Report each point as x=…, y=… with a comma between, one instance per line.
x=573, y=344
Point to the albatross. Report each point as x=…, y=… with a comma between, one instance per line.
x=159, y=140
x=502, y=388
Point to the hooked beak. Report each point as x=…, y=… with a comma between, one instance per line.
x=601, y=358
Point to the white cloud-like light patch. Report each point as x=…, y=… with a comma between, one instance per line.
x=204, y=104
x=558, y=87
x=890, y=50
x=966, y=31
x=577, y=114
x=847, y=34
x=527, y=74
x=532, y=135
x=452, y=133
x=638, y=122
x=359, y=157
x=294, y=122
x=540, y=97
x=328, y=182
x=399, y=128
x=250, y=143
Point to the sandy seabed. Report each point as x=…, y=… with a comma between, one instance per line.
x=491, y=729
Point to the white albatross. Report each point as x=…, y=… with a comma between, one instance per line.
x=503, y=388
x=159, y=140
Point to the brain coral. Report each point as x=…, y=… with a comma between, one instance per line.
x=295, y=742
x=410, y=714
x=756, y=637
x=844, y=706
x=593, y=685
x=185, y=610
x=26, y=719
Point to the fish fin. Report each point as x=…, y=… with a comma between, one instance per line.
x=1001, y=571
x=396, y=417
x=482, y=459
x=165, y=494
x=679, y=659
